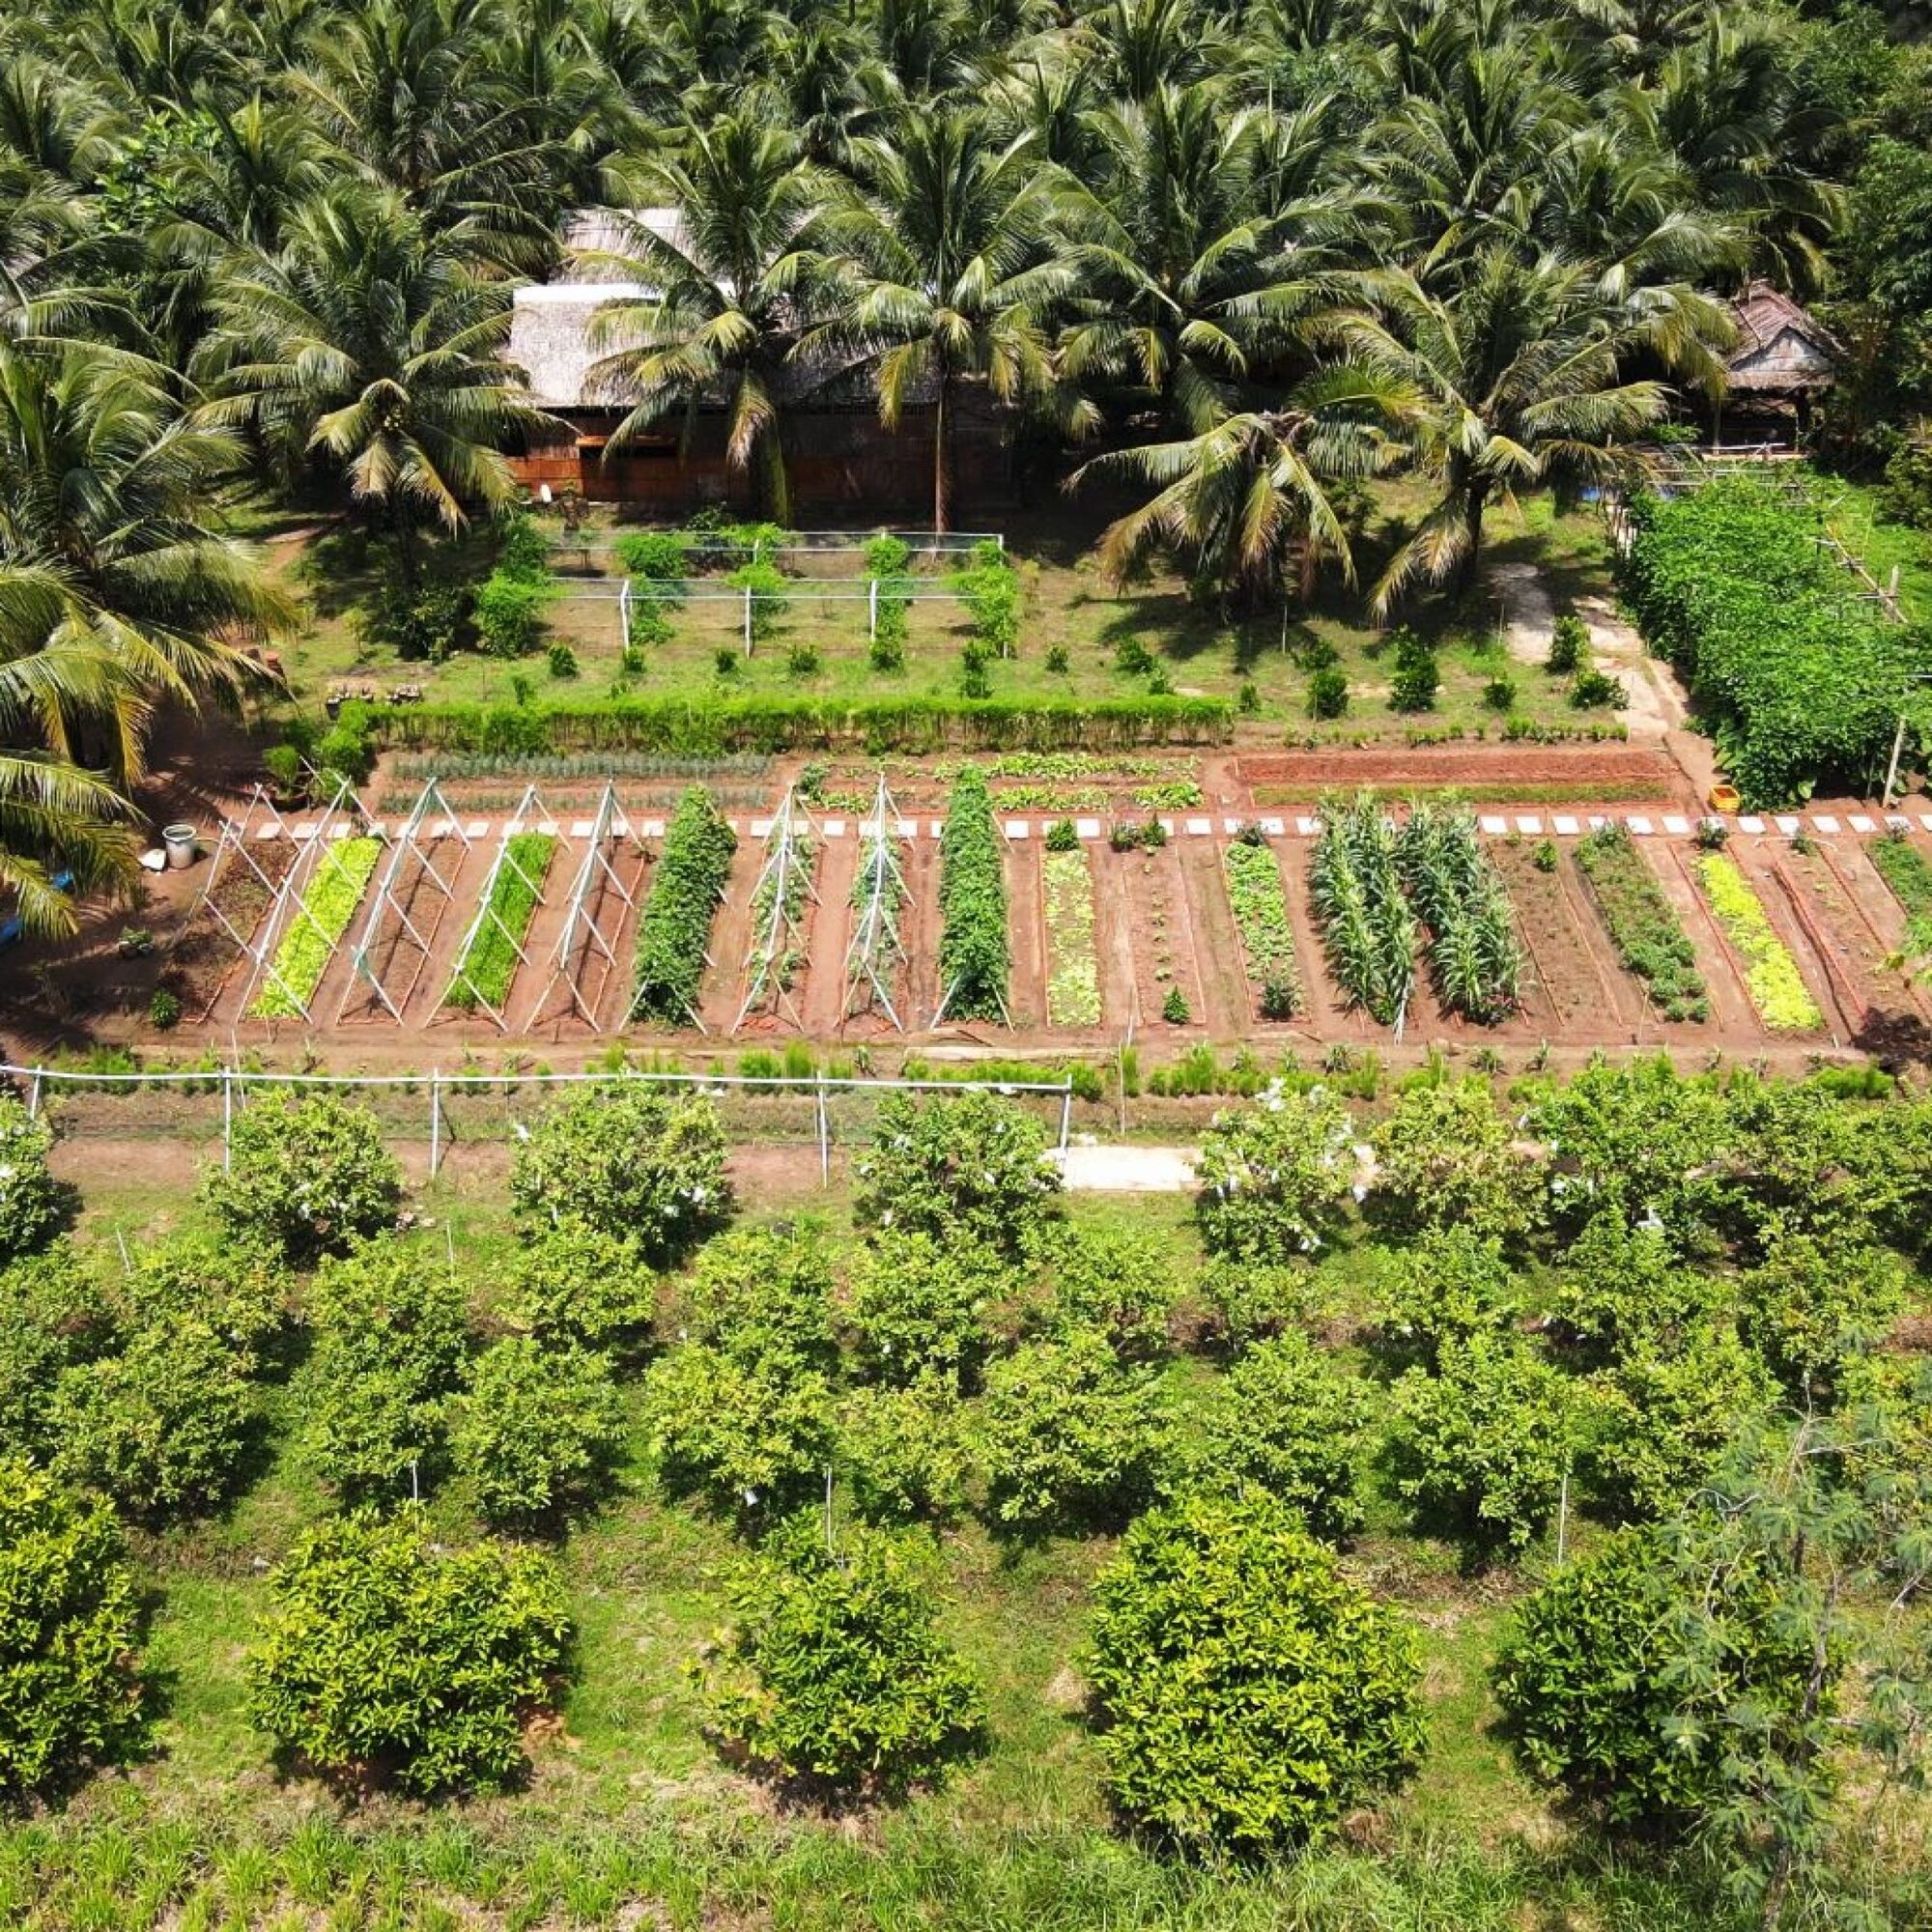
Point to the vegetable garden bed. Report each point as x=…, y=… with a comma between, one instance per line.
x=674, y=928
x=1073, y=972
x=489, y=963
x=1473, y=955
x=1259, y=902
x=1646, y=934
x=1908, y=875
x=975, y=960
x=1771, y=977
x=316, y=930
x=1367, y=926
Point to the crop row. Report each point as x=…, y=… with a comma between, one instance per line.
x=1073, y=972
x=317, y=927
x=1904, y=869
x=974, y=960
x=494, y=950
x=675, y=927
x=1647, y=935
x=1367, y=926
x=1771, y=973
x=1473, y=955
x=1267, y=938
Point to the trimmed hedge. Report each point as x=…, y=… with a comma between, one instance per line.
x=753, y=723
x=675, y=926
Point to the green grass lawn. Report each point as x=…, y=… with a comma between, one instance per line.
x=1857, y=516
x=1067, y=604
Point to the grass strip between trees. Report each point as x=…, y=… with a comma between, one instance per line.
x=318, y=926
x=1072, y=974
x=1771, y=973
x=1646, y=935
x=675, y=925
x=490, y=962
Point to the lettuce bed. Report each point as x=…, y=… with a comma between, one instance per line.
x=330, y=904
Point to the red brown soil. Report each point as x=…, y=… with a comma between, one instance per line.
x=1118, y=940
x=1144, y=907
x=1568, y=987
x=1323, y=1015
x=1226, y=1005
x=1026, y=936
x=1567, y=773
x=603, y=983
x=1856, y=909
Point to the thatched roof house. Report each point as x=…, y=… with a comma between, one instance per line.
x=1783, y=351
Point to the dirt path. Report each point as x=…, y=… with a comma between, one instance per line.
x=821, y=992
x=1115, y=946
x=1026, y=935
x=1225, y=1004
x=722, y=990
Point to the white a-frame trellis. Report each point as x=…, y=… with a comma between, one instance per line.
x=340, y=817
x=779, y=899
x=530, y=815
x=589, y=926
x=878, y=894
x=389, y=953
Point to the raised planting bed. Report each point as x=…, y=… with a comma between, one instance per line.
x=975, y=961
x=675, y=927
x=494, y=952
x=1906, y=871
x=1474, y=958
x=1647, y=936
x=1367, y=928
x=1770, y=973
x=1256, y=893
x=1073, y=972
x=317, y=927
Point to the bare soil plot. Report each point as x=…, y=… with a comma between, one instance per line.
x=1857, y=924
x=1118, y=941
x=603, y=986
x=722, y=989
x=1566, y=988
x=819, y=990
x=1226, y=1005
x=1144, y=903
x=415, y=980
x=1026, y=935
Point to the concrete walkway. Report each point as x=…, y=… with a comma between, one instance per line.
x=1129, y=1169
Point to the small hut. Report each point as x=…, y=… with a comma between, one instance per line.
x=1784, y=358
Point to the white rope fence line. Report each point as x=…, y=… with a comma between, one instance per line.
x=821, y=1086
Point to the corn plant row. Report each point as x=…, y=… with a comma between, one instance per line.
x=490, y=962
x=1267, y=938
x=1770, y=973
x=1367, y=929
x=1073, y=973
x=974, y=961
x=1645, y=931
x=1474, y=958
x=317, y=928
x=675, y=927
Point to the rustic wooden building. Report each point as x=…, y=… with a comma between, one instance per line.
x=1783, y=361
x=841, y=460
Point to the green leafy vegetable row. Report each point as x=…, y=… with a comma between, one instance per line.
x=1646, y=934
x=974, y=962
x=1771, y=973
x=317, y=927
x=1073, y=973
x=1904, y=869
x=490, y=962
x=1267, y=940
x=675, y=925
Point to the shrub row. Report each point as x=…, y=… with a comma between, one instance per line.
x=773, y=723
x=676, y=920
x=973, y=956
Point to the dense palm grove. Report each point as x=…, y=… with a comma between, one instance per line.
x=1251, y=255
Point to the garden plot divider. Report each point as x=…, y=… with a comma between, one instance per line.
x=815, y=1098
x=585, y=934
x=374, y=958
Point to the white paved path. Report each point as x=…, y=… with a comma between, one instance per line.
x=1129, y=1169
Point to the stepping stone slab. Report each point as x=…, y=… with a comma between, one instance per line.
x=1563, y=825
x=1678, y=826
x=1493, y=824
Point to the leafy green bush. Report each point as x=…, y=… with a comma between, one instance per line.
x=1174, y=1008
x=1452, y=1283
x=386, y=1655
x=570, y=1285
x=921, y=1305
x=307, y=1177
x=762, y=1291
x=1328, y=692
x=886, y=556
x=991, y=591
x=974, y=962
x=52, y=1317
x=1569, y=646
x=159, y=1427
x=964, y=1167
x=536, y=1430
x=1252, y=1693
x=659, y=556
x=1592, y=690
x=490, y=960
x=1066, y=1435
x=509, y=613
x=32, y=1202
x=522, y=549
x=675, y=927
x=1249, y=1300
x=764, y=585
x=420, y=622
x=1484, y=1443
x=903, y=1449
x=833, y=1672
x=1809, y=1304
x=1110, y=1282
x=1619, y=1286
x=1275, y=1176
x=317, y=927
x=1414, y=683
x=1444, y=1158
x=560, y=658
x=1259, y=903
x=1286, y=1420
x=70, y=1641
x=629, y=1162
x=1499, y=695
x=1587, y=1681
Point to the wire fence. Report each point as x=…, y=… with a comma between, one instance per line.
x=447, y=1108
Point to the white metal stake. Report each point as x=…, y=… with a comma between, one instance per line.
x=435, y=1121
x=875, y=610
x=824, y=1138
x=747, y=621
x=227, y=1116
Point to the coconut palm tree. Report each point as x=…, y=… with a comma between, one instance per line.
x=950, y=264
x=1249, y=503
x=1517, y=379
x=368, y=343
x=115, y=595
x=725, y=286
